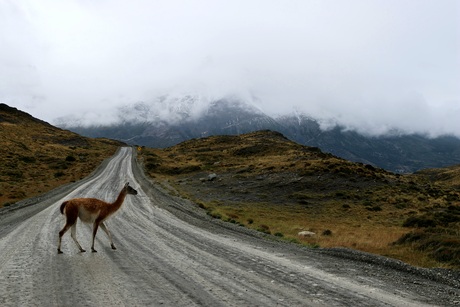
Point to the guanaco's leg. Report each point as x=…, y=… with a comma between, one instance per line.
x=61, y=233
x=103, y=227
x=71, y=219
x=95, y=227
x=73, y=234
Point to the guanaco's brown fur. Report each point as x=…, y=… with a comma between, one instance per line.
x=91, y=210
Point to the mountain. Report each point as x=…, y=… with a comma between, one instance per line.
x=36, y=157
x=168, y=122
x=143, y=125
x=400, y=153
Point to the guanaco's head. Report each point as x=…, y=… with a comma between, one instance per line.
x=129, y=189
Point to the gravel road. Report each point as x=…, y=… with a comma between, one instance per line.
x=170, y=253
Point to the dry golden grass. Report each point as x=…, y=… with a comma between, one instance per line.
x=36, y=157
x=330, y=231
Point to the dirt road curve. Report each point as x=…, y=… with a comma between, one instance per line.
x=169, y=253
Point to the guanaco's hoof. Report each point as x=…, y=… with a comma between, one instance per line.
x=82, y=250
x=113, y=247
x=93, y=250
x=60, y=252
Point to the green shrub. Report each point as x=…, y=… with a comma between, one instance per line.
x=27, y=159
x=374, y=208
x=264, y=229
x=70, y=159
x=179, y=170
x=367, y=203
x=202, y=206
x=420, y=222
x=59, y=174
x=411, y=237
x=293, y=240
x=446, y=254
x=216, y=215
x=441, y=244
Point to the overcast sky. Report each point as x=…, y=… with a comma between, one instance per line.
x=367, y=64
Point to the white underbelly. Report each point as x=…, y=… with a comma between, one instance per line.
x=86, y=216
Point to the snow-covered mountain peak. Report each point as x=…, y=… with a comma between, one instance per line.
x=179, y=108
x=170, y=109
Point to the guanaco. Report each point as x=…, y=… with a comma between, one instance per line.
x=91, y=210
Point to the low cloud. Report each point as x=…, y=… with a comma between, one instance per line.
x=371, y=66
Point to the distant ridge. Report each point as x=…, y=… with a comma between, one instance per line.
x=401, y=153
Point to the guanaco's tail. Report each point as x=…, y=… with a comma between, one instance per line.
x=63, y=206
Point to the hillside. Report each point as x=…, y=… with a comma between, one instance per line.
x=36, y=157
x=264, y=181
x=448, y=176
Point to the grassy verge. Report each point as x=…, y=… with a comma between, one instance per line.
x=329, y=230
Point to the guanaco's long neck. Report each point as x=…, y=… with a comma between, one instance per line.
x=119, y=201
